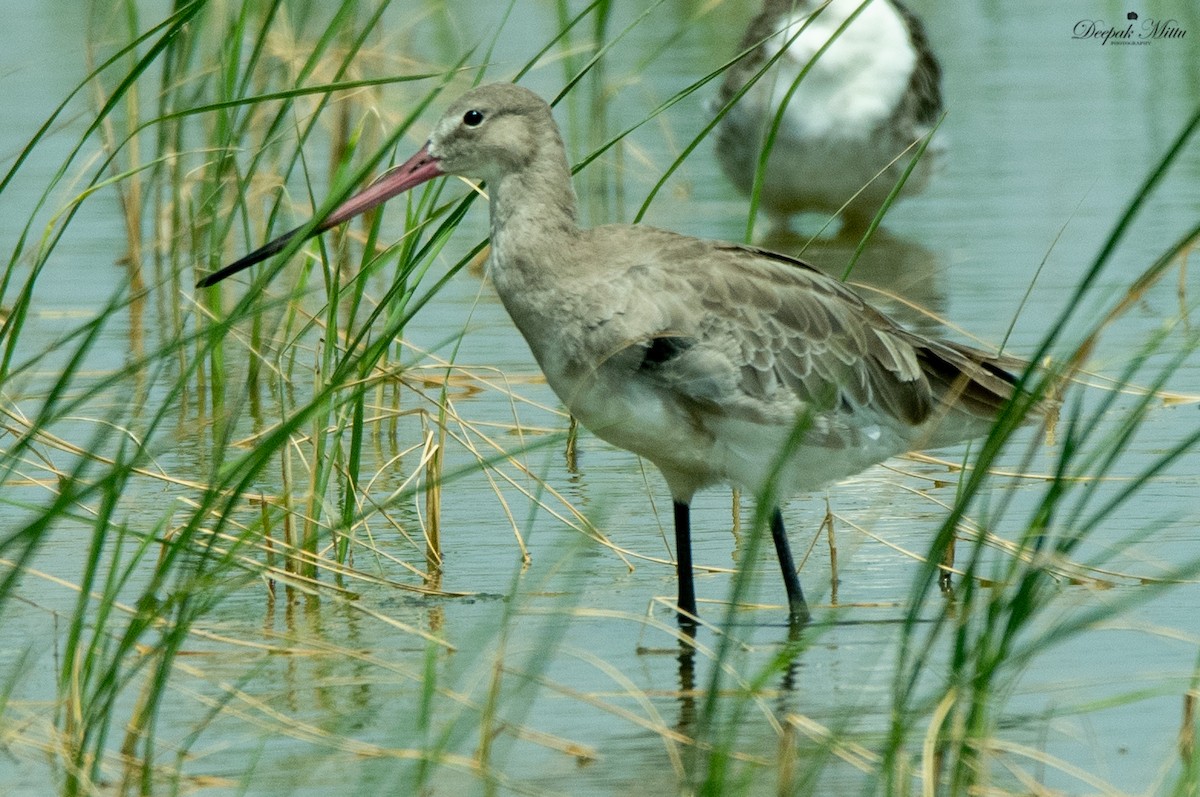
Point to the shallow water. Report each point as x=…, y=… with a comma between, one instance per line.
x=1047, y=139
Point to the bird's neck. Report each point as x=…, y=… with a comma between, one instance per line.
x=533, y=214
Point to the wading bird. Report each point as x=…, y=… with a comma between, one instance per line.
x=719, y=363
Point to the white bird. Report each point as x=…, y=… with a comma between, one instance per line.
x=706, y=358
x=865, y=101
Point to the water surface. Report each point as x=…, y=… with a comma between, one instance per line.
x=1047, y=140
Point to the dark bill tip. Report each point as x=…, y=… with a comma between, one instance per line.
x=418, y=169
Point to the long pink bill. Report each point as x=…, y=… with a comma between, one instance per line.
x=418, y=169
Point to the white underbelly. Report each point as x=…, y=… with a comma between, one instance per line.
x=640, y=419
x=756, y=456
x=695, y=448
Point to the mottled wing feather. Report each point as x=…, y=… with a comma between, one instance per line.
x=755, y=334
x=758, y=335
x=833, y=349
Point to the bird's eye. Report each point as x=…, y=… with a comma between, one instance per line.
x=473, y=118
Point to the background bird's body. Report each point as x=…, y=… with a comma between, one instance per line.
x=863, y=102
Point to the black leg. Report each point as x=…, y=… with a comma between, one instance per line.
x=683, y=562
x=791, y=581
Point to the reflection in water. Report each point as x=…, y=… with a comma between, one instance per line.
x=435, y=613
x=315, y=680
x=894, y=274
x=789, y=659
x=786, y=661
x=687, y=680
x=827, y=524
